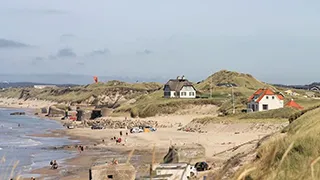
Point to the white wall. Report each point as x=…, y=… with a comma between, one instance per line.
x=257, y=108
x=187, y=92
x=275, y=103
x=167, y=93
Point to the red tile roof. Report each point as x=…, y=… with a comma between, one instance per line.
x=294, y=104
x=262, y=92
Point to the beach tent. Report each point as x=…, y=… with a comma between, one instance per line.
x=293, y=104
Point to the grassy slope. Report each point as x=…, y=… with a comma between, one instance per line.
x=275, y=163
x=81, y=93
x=154, y=103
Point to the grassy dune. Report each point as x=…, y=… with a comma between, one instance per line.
x=290, y=155
x=81, y=93
x=154, y=104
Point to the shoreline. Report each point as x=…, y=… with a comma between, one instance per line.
x=99, y=148
x=77, y=166
x=43, y=172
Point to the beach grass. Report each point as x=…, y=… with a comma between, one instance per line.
x=290, y=155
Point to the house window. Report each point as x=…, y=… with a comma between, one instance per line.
x=265, y=106
x=272, y=97
x=183, y=93
x=267, y=97
x=191, y=93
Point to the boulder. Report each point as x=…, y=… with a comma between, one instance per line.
x=191, y=153
x=18, y=113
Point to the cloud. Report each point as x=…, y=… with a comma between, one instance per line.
x=39, y=11
x=63, y=53
x=80, y=63
x=145, y=52
x=66, y=52
x=100, y=52
x=37, y=60
x=4, y=43
x=52, y=57
x=66, y=37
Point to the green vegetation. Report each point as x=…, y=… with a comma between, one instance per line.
x=154, y=103
x=283, y=113
x=79, y=94
x=291, y=155
x=241, y=80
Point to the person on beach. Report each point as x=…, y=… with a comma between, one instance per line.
x=51, y=163
x=54, y=165
x=120, y=133
x=126, y=133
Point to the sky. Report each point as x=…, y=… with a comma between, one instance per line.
x=276, y=41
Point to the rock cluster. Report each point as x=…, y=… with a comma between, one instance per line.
x=120, y=124
x=192, y=129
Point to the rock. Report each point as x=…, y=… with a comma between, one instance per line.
x=18, y=113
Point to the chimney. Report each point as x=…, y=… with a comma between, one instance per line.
x=178, y=77
x=182, y=77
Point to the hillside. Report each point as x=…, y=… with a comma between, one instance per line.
x=110, y=94
x=291, y=154
x=146, y=99
x=224, y=76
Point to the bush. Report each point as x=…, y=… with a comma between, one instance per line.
x=134, y=112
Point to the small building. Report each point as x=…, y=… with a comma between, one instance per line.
x=291, y=93
x=172, y=171
x=293, y=104
x=226, y=85
x=265, y=99
x=315, y=88
x=112, y=172
x=44, y=86
x=310, y=94
x=179, y=88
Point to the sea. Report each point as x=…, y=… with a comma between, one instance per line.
x=23, y=153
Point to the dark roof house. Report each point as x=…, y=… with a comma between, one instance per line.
x=174, y=86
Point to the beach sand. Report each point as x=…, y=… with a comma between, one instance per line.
x=218, y=137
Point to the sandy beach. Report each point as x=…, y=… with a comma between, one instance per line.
x=100, y=148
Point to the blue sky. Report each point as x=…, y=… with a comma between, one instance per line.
x=276, y=41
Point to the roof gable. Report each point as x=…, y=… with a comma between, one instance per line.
x=293, y=104
x=178, y=84
x=260, y=93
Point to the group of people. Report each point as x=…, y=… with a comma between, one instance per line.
x=119, y=140
x=80, y=148
x=54, y=164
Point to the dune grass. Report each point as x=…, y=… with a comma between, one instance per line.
x=154, y=104
x=293, y=155
x=79, y=94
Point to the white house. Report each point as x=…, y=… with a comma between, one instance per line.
x=179, y=88
x=265, y=99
